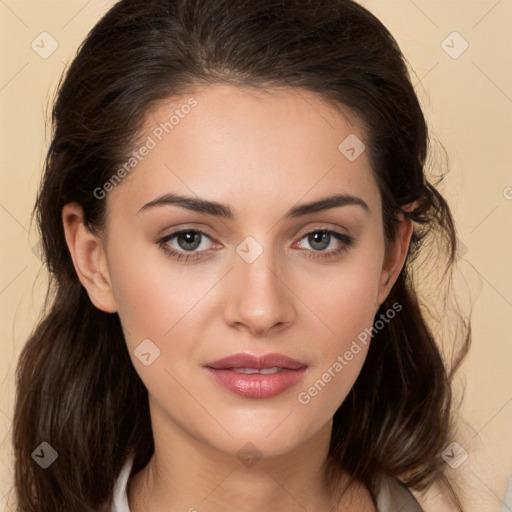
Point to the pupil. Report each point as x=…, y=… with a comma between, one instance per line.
x=319, y=238
x=190, y=240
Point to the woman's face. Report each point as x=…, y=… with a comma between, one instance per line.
x=268, y=264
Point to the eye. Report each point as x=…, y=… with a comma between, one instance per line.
x=192, y=244
x=186, y=243
x=321, y=239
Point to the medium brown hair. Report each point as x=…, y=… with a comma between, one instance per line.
x=76, y=386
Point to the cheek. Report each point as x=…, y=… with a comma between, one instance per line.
x=156, y=301
x=356, y=296
x=347, y=301
x=154, y=294
x=348, y=308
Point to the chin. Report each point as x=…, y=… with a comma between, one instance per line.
x=270, y=437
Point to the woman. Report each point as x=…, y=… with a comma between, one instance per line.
x=232, y=202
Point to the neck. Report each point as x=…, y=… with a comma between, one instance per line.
x=186, y=474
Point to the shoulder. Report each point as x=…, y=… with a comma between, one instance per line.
x=392, y=495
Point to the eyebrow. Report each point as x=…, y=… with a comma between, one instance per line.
x=221, y=210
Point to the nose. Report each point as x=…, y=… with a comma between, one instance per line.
x=257, y=296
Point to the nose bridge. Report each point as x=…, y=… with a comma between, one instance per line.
x=257, y=296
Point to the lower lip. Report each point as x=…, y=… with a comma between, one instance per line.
x=257, y=385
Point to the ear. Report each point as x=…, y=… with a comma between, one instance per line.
x=395, y=257
x=89, y=258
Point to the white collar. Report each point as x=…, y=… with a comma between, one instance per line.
x=120, y=503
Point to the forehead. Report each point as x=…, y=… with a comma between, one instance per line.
x=248, y=146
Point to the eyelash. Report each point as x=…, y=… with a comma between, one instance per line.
x=347, y=241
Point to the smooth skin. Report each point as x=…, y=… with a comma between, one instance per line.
x=260, y=153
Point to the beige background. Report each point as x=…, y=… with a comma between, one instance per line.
x=468, y=101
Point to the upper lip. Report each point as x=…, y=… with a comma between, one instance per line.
x=244, y=360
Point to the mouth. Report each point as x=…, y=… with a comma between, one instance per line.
x=256, y=376
x=251, y=371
